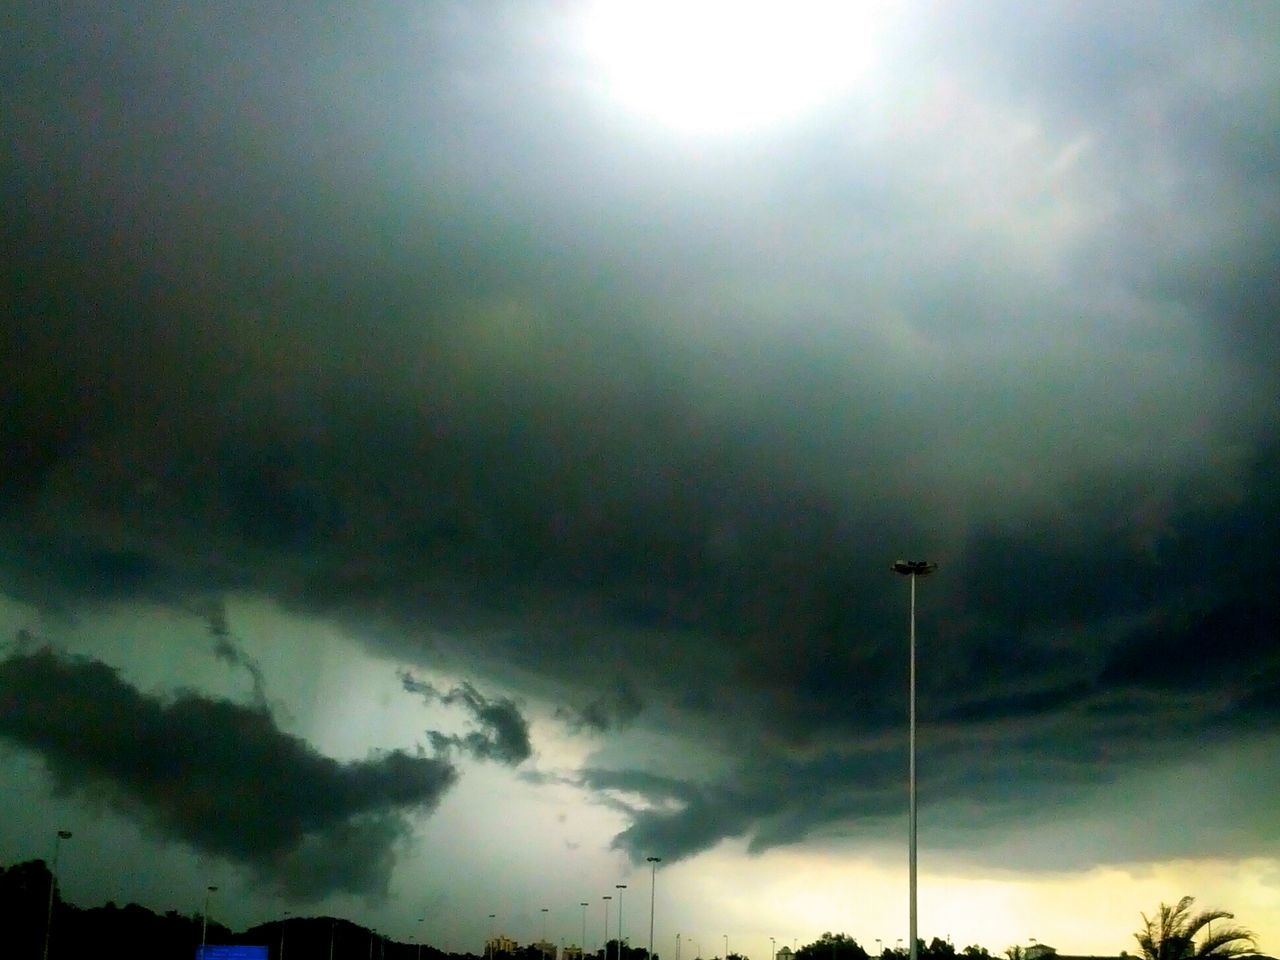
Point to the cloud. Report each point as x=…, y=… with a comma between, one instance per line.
x=218, y=776
x=227, y=650
x=579, y=403
x=504, y=732
x=606, y=712
x=1049, y=669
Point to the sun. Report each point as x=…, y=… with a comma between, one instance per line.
x=725, y=66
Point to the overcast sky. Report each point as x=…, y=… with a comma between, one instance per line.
x=455, y=451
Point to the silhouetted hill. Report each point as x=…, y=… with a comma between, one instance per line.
x=135, y=930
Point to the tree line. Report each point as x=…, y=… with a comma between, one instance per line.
x=1172, y=932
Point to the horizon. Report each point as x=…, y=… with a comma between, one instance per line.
x=493, y=943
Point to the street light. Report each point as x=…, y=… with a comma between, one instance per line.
x=543, y=947
x=283, y=921
x=605, y=947
x=620, y=887
x=653, y=879
x=726, y=947
x=584, y=906
x=204, y=926
x=420, y=920
x=773, y=949
x=913, y=569
x=53, y=883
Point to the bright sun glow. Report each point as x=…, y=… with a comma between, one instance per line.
x=712, y=66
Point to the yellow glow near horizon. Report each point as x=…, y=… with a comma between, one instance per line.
x=725, y=66
x=799, y=894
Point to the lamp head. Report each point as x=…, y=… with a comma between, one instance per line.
x=914, y=568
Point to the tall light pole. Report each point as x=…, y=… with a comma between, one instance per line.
x=620, y=887
x=913, y=569
x=653, y=879
x=584, y=906
x=726, y=946
x=204, y=926
x=677, y=946
x=543, y=948
x=605, y=946
x=420, y=920
x=283, y=921
x=53, y=883
x=773, y=949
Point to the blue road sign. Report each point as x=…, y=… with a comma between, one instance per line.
x=219, y=951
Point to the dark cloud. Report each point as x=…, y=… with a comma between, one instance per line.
x=504, y=732
x=1047, y=669
x=589, y=404
x=218, y=776
x=226, y=649
x=606, y=712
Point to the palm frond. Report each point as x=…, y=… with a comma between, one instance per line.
x=1173, y=933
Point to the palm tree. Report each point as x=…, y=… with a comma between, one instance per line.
x=1172, y=934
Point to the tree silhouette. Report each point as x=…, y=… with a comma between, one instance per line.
x=832, y=946
x=1171, y=934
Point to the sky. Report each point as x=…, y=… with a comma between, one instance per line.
x=453, y=452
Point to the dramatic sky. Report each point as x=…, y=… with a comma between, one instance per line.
x=453, y=451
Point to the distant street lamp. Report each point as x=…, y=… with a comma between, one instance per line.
x=620, y=887
x=584, y=906
x=726, y=947
x=283, y=921
x=489, y=948
x=543, y=947
x=653, y=879
x=913, y=569
x=420, y=920
x=773, y=949
x=53, y=883
x=204, y=926
x=879, y=947
x=605, y=947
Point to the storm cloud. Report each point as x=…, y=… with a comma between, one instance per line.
x=219, y=776
x=637, y=426
x=503, y=733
